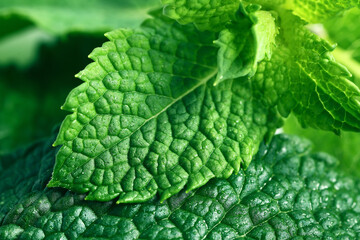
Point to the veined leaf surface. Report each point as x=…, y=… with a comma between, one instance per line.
x=246, y=42
x=148, y=118
x=210, y=15
x=302, y=76
x=285, y=193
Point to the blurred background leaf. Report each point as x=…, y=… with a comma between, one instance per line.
x=62, y=17
x=31, y=98
x=43, y=44
x=344, y=30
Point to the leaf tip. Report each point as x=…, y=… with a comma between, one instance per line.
x=219, y=79
x=53, y=183
x=57, y=142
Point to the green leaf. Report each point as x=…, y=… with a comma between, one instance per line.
x=29, y=102
x=286, y=193
x=302, y=76
x=148, y=118
x=89, y=16
x=205, y=14
x=315, y=11
x=345, y=31
x=24, y=171
x=245, y=43
x=21, y=48
x=344, y=147
x=312, y=11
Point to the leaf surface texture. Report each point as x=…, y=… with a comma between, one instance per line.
x=206, y=15
x=245, y=43
x=285, y=193
x=148, y=119
x=303, y=76
x=315, y=11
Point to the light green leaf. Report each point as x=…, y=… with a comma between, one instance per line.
x=345, y=31
x=286, y=193
x=303, y=76
x=312, y=11
x=351, y=59
x=315, y=11
x=245, y=43
x=148, y=119
x=205, y=14
x=61, y=17
x=344, y=147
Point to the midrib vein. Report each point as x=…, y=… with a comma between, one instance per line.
x=202, y=82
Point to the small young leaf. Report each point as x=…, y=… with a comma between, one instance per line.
x=148, y=119
x=244, y=44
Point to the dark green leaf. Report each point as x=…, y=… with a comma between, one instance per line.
x=31, y=98
x=285, y=193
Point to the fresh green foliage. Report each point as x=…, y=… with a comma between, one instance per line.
x=344, y=147
x=62, y=17
x=24, y=171
x=303, y=76
x=319, y=10
x=246, y=42
x=312, y=11
x=346, y=34
x=342, y=30
x=171, y=133
x=148, y=118
x=205, y=14
x=285, y=193
x=169, y=106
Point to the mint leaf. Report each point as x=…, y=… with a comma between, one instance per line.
x=148, y=119
x=206, y=15
x=24, y=171
x=72, y=16
x=344, y=146
x=315, y=11
x=346, y=34
x=302, y=76
x=343, y=29
x=285, y=193
x=245, y=43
